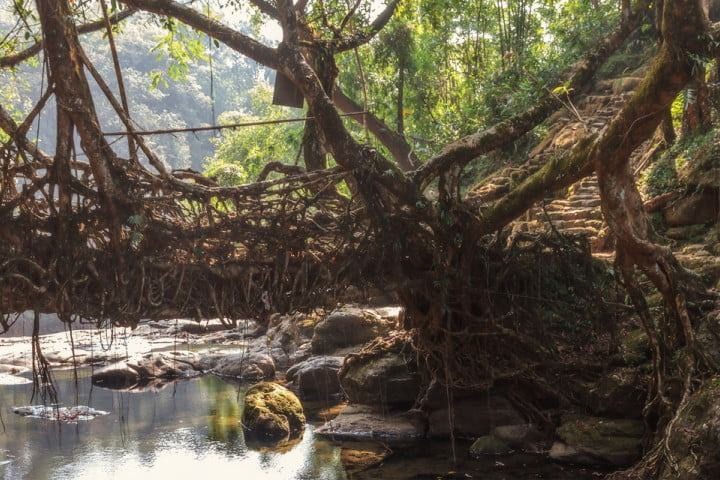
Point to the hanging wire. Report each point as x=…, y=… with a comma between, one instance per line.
x=222, y=127
x=132, y=151
x=212, y=76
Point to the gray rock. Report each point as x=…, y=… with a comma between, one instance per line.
x=361, y=422
x=598, y=441
x=387, y=379
x=700, y=207
x=285, y=339
x=60, y=414
x=245, y=366
x=143, y=368
x=347, y=327
x=316, y=377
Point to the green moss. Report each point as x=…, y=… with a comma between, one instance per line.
x=635, y=347
x=621, y=63
x=272, y=413
x=601, y=434
x=671, y=170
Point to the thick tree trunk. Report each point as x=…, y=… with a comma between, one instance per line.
x=667, y=128
x=696, y=111
x=314, y=152
x=396, y=144
x=75, y=100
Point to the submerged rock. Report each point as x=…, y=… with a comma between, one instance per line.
x=598, y=441
x=361, y=422
x=347, y=327
x=143, y=368
x=272, y=413
x=59, y=414
x=316, y=377
x=357, y=457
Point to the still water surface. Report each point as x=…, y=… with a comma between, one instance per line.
x=188, y=430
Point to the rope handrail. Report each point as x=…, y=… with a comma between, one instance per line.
x=220, y=127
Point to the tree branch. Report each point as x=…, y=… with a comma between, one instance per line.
x=344, y=44
x=395, y=143
x=34, y=49
x=249, y=47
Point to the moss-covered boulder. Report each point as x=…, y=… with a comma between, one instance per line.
x=598, y=441
x=272, y=413
x=619, y=393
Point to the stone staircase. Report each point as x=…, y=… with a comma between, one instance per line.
x=575, y=211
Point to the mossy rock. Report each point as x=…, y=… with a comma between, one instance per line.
x=621, y=392
x=601, y=440
x=635, y=347
x=272, y=413
x=489, y=445
x=695, y=439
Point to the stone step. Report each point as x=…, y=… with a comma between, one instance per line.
x=590, y=232
x=575, y=215
x=581, y=203
x=579, y=222
x=586, y=191
x=584, y=196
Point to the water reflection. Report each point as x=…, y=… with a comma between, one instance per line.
x=188, y=430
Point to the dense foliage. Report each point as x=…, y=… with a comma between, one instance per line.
x=440, y=69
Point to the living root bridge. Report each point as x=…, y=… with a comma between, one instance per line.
x=281, y=244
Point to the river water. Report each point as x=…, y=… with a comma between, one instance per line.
x=188, y=430
x=191, y=430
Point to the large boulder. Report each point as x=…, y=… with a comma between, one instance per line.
x=619, y=393
x=699, y=207
x=385, y=378
x=145, y=368
x=286, y=339
x=598, y=441
x=316, y=377
x=246, y=366
x=272, y=413
x=474, y=416
x=362, y=422
x=695, y=438
x=348, y=326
